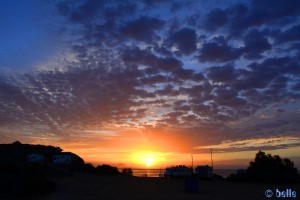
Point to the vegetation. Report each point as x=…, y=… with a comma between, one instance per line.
x=127, y=172
x=268, y=168
x=107, y=170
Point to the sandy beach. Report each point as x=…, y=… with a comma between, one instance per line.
x=93, y=187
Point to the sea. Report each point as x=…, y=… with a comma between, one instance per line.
x=156, y=172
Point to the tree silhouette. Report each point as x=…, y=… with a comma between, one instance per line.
x=268, y=168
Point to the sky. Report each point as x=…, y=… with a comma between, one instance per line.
x=152, y=83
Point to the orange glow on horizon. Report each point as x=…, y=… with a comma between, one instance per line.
x=147, y=159
x=150, y=148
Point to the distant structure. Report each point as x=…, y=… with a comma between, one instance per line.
x=62, y=159
x=204, y=171
x=56, y=159
x=178, y=171
x=36, y=158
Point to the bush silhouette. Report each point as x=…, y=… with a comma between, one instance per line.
x=88, y=167
x=127, y=172
x=107, y=170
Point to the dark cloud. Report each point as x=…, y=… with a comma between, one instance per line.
x=255, y=44
x=218, y=50
x=215, y=19
x=142, y=29
x=263, y=12
x=229, y=98
x=149, y=80
x=184, y=74
x=219, y=73
x=240, y=17
x=169, y=64
x=291, y=34
x=222, y=73
x=185, y=40
x=84, y=12
x=168, y=91
x=262, y=74
x=233, y=18
x=78, y=96
x=116, y=11
x=144, y=57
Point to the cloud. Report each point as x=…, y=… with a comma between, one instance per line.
x=185, y=40
x=144, y=57
x=215, y=19
x=202, y=76
x=218, y=50
x=262, y=12
x=255, y=44
x=83, y=12
x=253, y=144
x=291, y=34
x=142, y=29
x=222, y=73
x=149, y=80
x=239, y=17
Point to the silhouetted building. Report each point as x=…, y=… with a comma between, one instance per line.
x=62, y=159
x=204, y=171
x=36, y=158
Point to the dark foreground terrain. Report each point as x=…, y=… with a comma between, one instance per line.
x=92, y=187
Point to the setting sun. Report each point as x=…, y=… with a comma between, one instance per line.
x=148, y=161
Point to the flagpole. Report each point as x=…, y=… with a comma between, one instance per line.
x=212, y=162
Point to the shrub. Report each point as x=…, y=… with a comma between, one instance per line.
x=107, y=170
x=127, y=172
x=88, y=167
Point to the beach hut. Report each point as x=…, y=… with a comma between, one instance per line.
x=204, y=171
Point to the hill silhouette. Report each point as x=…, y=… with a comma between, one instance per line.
x=20, y=177
x=24, y=177
x=18, y=152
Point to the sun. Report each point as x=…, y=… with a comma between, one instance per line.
x=146, y=158
x=148, y=161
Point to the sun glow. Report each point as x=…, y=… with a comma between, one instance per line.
x=148, y=161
